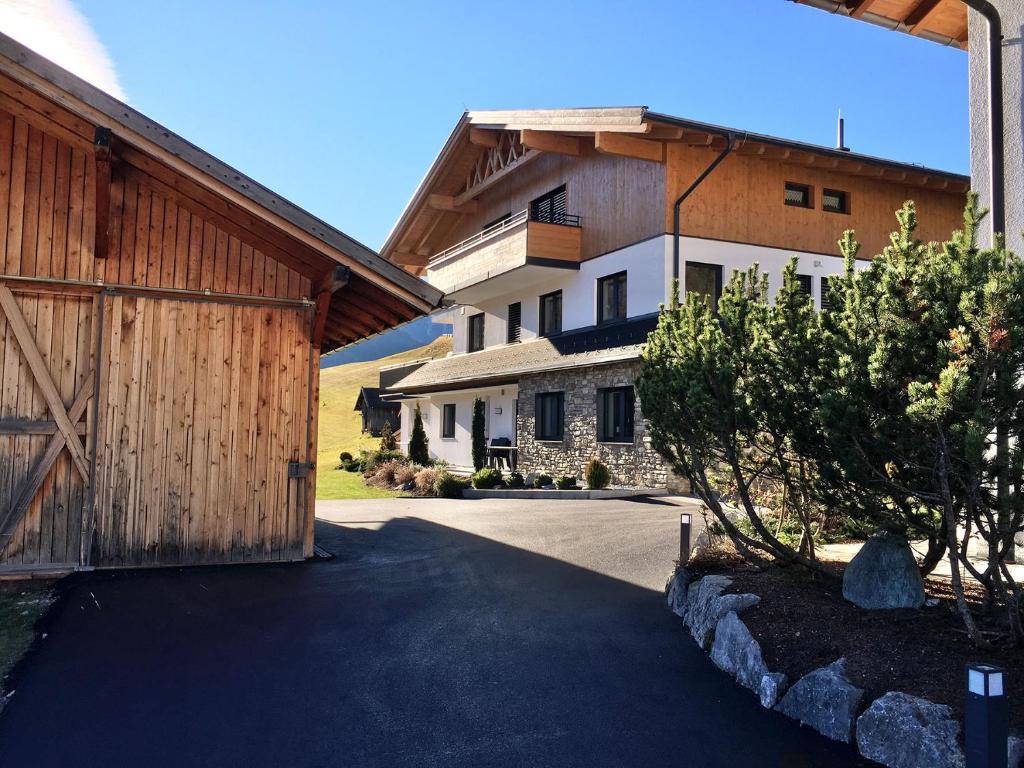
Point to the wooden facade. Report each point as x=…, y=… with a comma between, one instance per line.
x=624, y=168
x=160, y=335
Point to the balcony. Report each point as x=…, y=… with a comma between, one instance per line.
x=520, y=250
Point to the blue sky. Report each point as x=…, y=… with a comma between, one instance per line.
x=341, y=106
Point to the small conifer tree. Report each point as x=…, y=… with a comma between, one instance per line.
x=479, y=439
x=418, y=442
x=387, y=437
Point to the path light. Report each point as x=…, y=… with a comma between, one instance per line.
x=684, y=538
x=987, y=717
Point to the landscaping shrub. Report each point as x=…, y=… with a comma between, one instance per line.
x=426, y=479
x=384, y=474
x=347, y=463
x=541, y=480
x=479, y=438
x=448, y=486
x=597, y=475
x=486, y=478
x=566, y=483
x=515, y=480
x=407, y=473
x=344, y=457
x=387, y=437
x=370, y=461
x=418, y=443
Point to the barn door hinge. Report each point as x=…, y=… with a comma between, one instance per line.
x=298, y=469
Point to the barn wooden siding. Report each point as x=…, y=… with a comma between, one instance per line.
x=202, y=400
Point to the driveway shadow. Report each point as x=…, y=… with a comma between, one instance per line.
x=418, y=645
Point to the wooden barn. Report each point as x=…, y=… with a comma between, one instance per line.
x=161, y=322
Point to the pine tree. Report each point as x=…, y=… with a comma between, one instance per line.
x=418, y=442
x=387, y=437
x=479, y=438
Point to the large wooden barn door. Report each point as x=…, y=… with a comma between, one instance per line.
x=47, y=386
x=203, y=407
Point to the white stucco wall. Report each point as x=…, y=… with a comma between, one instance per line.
x=1012, y=13
x=649, y=274
x=458, y=451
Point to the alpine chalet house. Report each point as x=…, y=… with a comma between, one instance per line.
x=553, y=234
x=162, y=318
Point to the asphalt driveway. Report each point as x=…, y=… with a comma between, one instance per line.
x=497, y=633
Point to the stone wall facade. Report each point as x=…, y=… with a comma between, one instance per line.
x=635, y=465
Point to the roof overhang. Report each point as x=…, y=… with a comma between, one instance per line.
x=941, y=21
x=390, y=295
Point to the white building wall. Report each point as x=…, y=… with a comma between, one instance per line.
x=648, y=265
x=1012, y=15
x=458, y=451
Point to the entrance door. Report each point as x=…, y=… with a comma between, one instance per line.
x=204, y=406
x=47, y=383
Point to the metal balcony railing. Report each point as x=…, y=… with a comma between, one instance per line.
x=505, y=225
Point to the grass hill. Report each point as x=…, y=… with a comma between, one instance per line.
x=340, y=423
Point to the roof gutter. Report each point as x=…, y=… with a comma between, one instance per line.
x=996, y=166
x=831, y=6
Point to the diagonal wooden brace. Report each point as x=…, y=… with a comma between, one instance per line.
x=22, y=497
x=42, y=376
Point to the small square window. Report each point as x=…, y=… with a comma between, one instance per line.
x=549, y=417
x=448, y=421
x=806, y=284
x=834, y=201
x=704, y=280
x=611, y=298
x=798, y=195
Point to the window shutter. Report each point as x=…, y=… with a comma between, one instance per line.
x=514, y=329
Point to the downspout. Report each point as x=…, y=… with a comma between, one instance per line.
x=997, y=201
x=997, y=204
x=730, y=143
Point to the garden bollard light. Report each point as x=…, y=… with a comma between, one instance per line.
x=684, y=538
x=987, y=717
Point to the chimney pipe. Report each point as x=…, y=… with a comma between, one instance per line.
x=841, y=135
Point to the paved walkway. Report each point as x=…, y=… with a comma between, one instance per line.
x=497, y=633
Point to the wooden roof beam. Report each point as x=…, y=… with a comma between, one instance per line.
x=545, y=141
x=482, y=137
x=409, y=259
x=918, y=17
x=494, y=178
x=665, y=132
x=449, y=203
x=331, y=281
x=858, y=8
x=629, y=146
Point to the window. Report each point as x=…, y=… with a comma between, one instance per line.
x=834, y=201
x=705, y=280
x=806, y=284
x=798, y=195
x=549, y=208
x=549, y=416
x=448, y=421
x=826, y=298
x=615, y=415
x=476, y=332
x=514, y=325
x=551, y=314
x=611, y=298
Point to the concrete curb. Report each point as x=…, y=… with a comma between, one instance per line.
x=536, y=493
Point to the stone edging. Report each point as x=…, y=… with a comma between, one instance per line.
x=537, y=493
x=897, y=730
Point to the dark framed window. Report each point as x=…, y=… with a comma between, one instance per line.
x=513, y=328
x=615, y=415
x=798, y=195
x=549, y=208
x=806, y=284
x=475, y=329
x=549, y=416
x=705, y=280
x=835, y=201
x=448, y=420
x=551, y=314
x=611, y=298
x=826, y=298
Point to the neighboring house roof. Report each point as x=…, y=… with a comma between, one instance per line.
x=575, y=349
x=369, y=397
x=372, y=276
x=446, y=179
x=941, y=21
